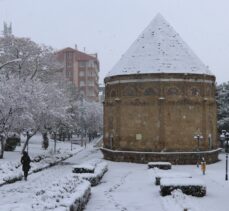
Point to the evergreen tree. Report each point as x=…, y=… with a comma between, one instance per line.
x=223, y=106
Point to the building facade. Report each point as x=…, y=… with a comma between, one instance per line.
x=157, y=98
x=83, y=70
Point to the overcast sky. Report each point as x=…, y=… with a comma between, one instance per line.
x=109, y=27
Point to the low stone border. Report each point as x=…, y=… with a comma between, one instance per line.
x=188, y=186
x=94, y=178
x=181, y=158
x=160, y=165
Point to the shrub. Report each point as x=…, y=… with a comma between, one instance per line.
x=188, y=186
x=12, y=142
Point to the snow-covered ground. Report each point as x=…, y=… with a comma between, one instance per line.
x=132, y=187
x=125, y=187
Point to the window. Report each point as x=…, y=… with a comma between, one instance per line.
x=69, y=64
x=90, y=74
x=91, y=93
x=69, y=55
x=82, y=83
x=68, y=73
x=82, y=64
x=82, y=92
x=90, y=64
x=90, y=83
x=82, y=73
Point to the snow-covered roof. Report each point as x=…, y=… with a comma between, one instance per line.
x=159, y=49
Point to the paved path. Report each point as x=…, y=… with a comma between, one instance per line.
x=125, y=187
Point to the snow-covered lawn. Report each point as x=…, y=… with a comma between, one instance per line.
x=10, y=166
x=131, y=187
x=125, y=187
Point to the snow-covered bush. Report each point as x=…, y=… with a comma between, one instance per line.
x=85, y=168
x=188, y=186
x=94, y=178
x=67, y=193
x=223, y=106
x=161, y=174
x=160, y=165
x=10, y=172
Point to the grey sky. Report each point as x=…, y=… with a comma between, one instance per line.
x=109, y=27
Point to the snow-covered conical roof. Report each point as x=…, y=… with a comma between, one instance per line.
x=159, y=49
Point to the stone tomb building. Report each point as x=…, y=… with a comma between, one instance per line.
x=157, y=98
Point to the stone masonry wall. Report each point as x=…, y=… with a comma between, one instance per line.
x=160, y=112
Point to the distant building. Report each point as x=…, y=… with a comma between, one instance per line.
x=101, y=93
x=83, y=70
x=159, y=98
x=7, y=29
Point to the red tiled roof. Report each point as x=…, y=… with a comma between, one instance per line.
x=78, y=54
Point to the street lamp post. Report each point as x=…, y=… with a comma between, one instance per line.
x=198, y=138
x=225, y=138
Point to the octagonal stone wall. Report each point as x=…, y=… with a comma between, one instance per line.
x=160, y=112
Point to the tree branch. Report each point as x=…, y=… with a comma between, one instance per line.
x=9, y=62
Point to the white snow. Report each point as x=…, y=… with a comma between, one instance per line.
x=181, y=181
x=159, y=163
x=125, y=186
x=159, y=49
x=171, y=174
x=84, y=166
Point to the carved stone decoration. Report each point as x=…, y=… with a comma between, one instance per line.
x=150, y=92
x=113, y=93
x=137, y=102
x=194, y=91
x=110, y=122
x=129, y=91
x=107, y=93
x=173, y=91
x=209, y=91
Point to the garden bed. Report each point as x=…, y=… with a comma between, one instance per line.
x=64, y=194
x=189, y=186
x=11, y=172
x=94, y=178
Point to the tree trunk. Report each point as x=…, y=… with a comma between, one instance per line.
x=2, y=147
x=45, y=142
x=28, y=137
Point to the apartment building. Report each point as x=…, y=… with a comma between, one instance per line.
x=83, y=70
